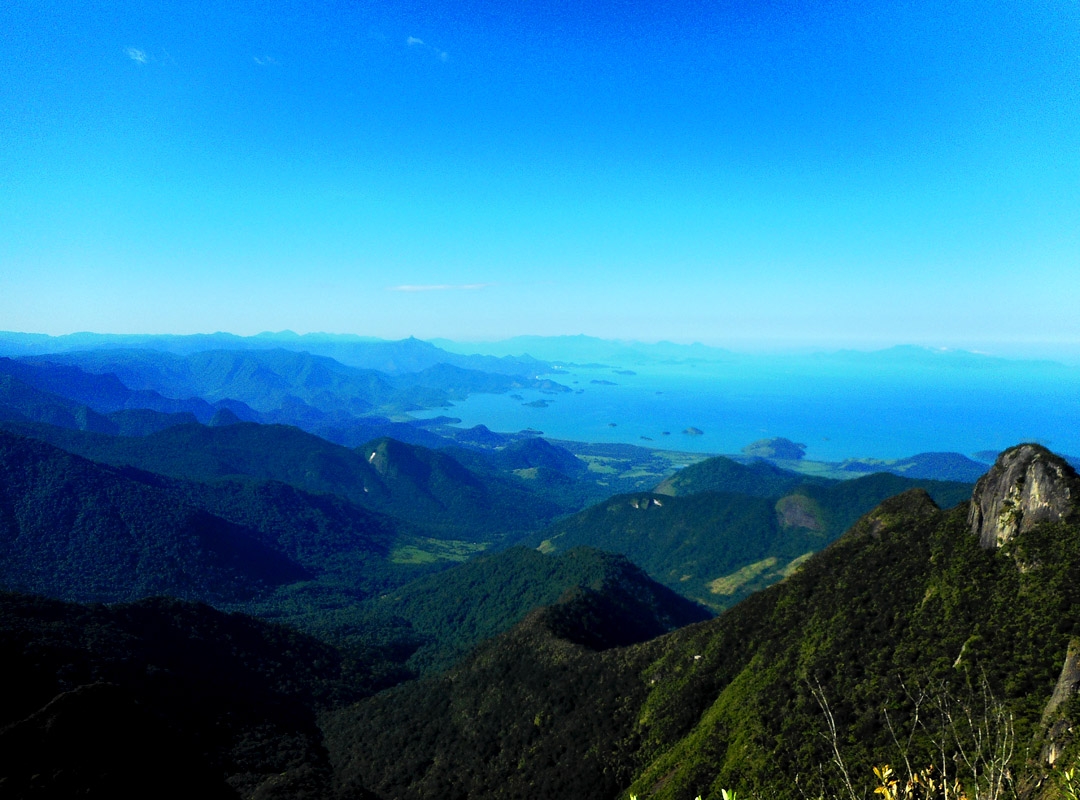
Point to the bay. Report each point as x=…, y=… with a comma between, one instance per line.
x=839, y=408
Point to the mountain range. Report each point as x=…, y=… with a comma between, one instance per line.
x=202, y=596
x=908, y=640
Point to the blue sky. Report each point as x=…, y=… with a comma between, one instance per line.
x=746, y=174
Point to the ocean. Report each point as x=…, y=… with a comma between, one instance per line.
x=839, y=408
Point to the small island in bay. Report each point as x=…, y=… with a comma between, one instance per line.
x=537, y=404
x=692, y=431
x=603, y=383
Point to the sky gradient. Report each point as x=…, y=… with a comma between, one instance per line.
x=743, y=174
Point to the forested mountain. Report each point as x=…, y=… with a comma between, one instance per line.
x=238, y=698
x=270, y=379
x=80, y=530
x=75, y=529
x=266, y=380
x=718, y=546
x=425, y=488
x=940, y=466
x=882, y=648
x=21, y=402
x=455, y=610
x=915, y=610
x=760, y=478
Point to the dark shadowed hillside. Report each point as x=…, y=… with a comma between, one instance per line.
x=161, y=698
x=425, y=488
x=75, y=529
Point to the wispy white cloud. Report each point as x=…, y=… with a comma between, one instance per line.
x=137, y=55
x=439, y=287
x=265, y=61
x=413, y=41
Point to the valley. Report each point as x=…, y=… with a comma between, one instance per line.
x=286, y=559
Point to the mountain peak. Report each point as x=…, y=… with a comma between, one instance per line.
x=1027, y=485
x=223, y=417
x=896, y=513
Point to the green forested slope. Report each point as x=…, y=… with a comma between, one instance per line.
x=75, y=529
x=721, y=474
x=460, y=607
x=908, y=602
x=531, y=713
x=426, y=488
x=719, y=547
x=905, y=613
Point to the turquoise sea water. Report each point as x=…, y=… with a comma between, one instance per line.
x=869, y=411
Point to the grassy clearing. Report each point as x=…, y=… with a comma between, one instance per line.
x=431, y=551
x=729, y=584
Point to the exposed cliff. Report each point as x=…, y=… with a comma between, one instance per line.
x=1027, y=485
x=1058, y=728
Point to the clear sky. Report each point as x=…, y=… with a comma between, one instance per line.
x=732, y=172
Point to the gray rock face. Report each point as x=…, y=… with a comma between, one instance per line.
x=1027, y=485
x=1058, y=730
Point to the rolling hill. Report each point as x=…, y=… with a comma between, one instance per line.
x=74, y=529
x=429, y=490
x=718, y=547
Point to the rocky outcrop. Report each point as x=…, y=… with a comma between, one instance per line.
x=1027, y=485
x=1058, y=729
x=798, y=511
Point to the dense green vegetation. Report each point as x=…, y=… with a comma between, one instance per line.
x=578, y=698
x=907, y=603
x=457, y=609
x=718, y=547
x=428, y=489
x=532, y=713
x=79, y=530
x=721, y=474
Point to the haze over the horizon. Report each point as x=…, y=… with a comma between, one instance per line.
x=739, y=174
